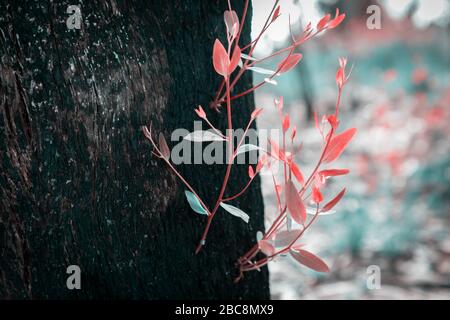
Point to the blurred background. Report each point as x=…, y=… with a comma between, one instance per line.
x=396, y=213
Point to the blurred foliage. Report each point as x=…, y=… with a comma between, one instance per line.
x=397, y=206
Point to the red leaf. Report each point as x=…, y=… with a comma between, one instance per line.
x=333, y=172
x=286, y=122
x=276, y=13
x=261, y=162
x=337, y=13
x=336, y=21
x=308, y=28
x=310, y=260
x=164, y=148
x=200, y=112
x=231, y=22
x=294, y=132
x=289, y=63
x=256, y=113
x=323, y=22
x=275, y=151
x=319, y=180
x=333, y=202
x=297, y=173
x=251, y=172
x=295, y=203
x=333, y=120
x=266, y=247
x=317, y=196
x=340, y=77
x=338, y=144
x=221, y=61
x=235, y=58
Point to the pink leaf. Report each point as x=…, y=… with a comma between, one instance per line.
x=261, y=162
x=333, y=121
x=310, y=260
x=286, y=122
x=256, y=113
x=340, y=77
x=289, y=63
x=235, y=58
x=295, y=203
x=164, y=148
x=338, y=144
x=319, y=180
x=333, y=202
x=276, y=14
x=317, y=196
x=221, y=61
x=275, y=151
x=337, y=20
x=308, y=28
x=296, y=172
x=294, y=132
x=323, y=22
x=200, y=112
x=266, y=247
x=333, y=172
x=251, y=172
x=231, y=22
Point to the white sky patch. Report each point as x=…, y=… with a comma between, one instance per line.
x=397, y=9
x=278, y=32
x=427, y=11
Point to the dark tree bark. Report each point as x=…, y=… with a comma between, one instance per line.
x=78, y=184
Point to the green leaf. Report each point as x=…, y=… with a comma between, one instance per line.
x=201, y=136
x=247, y=57
x=235, y=211
x=247, y=148
x=270, y=81
x=261, y=70
x=195, y=203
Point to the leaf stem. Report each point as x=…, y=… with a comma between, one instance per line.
x=228, y=170
x=246, y=258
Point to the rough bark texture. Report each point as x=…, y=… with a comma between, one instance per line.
x=78, y=184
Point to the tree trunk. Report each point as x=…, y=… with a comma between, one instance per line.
x=78, y=184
